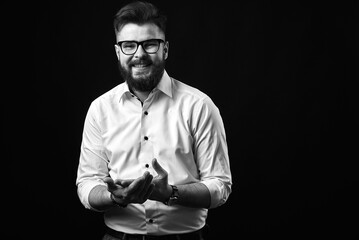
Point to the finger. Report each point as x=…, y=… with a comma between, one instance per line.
x=145, y=187
x=137, y=183
x=158, y=168
x=111, y=186
x=149, y=191
x=147, y=178
x=124, y=182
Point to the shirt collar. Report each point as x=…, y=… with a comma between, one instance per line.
x=165, y=86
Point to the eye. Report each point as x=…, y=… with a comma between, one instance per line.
x=150, y=44
x=128, y=45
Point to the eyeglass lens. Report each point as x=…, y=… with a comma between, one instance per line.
x=150, y=46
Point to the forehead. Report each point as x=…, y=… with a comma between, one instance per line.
x=139, y=32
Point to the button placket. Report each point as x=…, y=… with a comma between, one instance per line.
x=146, y=145
x=144, y=119
x=152, y=216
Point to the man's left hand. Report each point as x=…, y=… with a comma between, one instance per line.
x=162, y=190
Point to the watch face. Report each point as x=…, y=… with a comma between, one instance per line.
x=172, y=201
x=174, y=198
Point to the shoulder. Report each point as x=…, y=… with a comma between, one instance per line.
x=106, y=100
x=111, y=95
x=191, y=94
x=182, y=89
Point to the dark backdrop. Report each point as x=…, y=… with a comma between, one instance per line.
x=281, y=73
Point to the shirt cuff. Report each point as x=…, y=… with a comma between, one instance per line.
x=218, y=191
x=84, y=190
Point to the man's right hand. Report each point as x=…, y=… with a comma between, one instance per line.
x=131, y=190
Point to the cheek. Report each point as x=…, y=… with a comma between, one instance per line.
x=159, y=58
x=124, y=61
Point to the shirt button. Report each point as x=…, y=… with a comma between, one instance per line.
x=147, y=166
x=146, y=138
x=146, y=113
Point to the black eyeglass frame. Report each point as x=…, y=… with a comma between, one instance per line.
x=141, y=44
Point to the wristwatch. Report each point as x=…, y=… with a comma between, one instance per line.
x=117, y=203
x=174, y=196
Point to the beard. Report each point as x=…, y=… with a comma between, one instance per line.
x=144, y=82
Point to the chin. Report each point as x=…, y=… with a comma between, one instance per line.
x=140, y=76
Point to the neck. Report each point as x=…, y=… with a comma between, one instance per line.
x=141, y=95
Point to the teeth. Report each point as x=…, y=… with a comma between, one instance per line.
x=140, y=65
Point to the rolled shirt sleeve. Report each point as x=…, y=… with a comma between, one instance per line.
x=211, y=152
x=93, y=162
x=219, y=191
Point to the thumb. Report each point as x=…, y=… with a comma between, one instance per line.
x=111, y=186
x=158, y=168
x=124, y=182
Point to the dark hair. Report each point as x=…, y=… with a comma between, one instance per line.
x=139, y=12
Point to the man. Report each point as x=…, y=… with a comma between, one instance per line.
x=154, y=156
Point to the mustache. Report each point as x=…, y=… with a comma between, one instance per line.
x=145, y=61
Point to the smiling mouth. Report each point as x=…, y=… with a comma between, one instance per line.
x=141, y=65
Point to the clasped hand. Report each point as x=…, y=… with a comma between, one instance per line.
x=140, y=189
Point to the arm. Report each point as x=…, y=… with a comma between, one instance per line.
x=194, y=195
x=211, y=154
x=99, y=198
x=94, y=184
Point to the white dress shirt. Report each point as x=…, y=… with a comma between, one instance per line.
x=180, y=127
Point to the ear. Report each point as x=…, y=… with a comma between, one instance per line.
x=165, y=49
x=117, y=50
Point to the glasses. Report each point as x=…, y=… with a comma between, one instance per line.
x=150, y=46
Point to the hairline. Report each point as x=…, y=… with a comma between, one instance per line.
x=141, y=24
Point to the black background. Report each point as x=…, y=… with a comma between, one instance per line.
x=281, y=73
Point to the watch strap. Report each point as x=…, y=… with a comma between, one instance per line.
x=174, y=196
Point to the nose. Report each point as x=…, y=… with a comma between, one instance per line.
x=140, y=52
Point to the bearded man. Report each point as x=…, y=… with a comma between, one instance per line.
x=154, y=156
